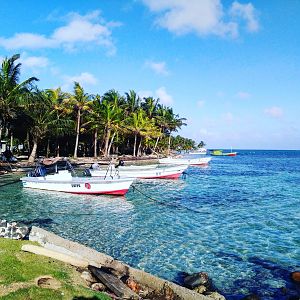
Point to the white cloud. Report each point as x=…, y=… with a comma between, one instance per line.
x=27, y=41
x=80, y=30
x=157, y=67
x=243, y=95
x=274, y=112
x=246, y=12
x=163, y=96
x=200, y=103
x=161, y=93
x=34, y=61
x=84, y=78
x=203, y=17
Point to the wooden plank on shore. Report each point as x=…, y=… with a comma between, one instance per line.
x=114, y=284
x=77, y=262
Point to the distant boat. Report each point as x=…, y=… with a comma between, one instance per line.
x=221, y=153
x=201, y=151
x=143, y=172
x=202, y=161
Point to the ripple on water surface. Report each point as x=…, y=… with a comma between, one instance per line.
x=238, y=220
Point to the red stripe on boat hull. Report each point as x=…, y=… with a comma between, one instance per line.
x=117, y=193
x=173, y=176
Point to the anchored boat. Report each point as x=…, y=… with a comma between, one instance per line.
x=63, y=181
x=143, y=172
x=202, y=161
x=221, y=153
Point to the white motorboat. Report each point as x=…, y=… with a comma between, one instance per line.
x=149, y=171
x=63, y=181
x=202, y=161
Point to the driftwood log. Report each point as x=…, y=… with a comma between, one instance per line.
x=56, y=255
x=114, y=284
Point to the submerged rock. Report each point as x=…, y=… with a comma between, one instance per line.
x=194, y=280
x=296, y=276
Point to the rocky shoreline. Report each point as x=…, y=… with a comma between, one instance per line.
x=103, y=273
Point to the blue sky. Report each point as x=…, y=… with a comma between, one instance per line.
x=232, y=68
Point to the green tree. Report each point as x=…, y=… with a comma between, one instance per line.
x=12, y=90
x=201, y=144
x=112, y=116
x=39, y=108
x=79, y=100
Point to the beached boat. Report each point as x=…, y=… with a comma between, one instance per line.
x=221, y=153
x=64, y=181
x=202, y=161
x=143, y=172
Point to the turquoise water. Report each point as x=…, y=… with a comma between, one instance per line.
x=238, y=220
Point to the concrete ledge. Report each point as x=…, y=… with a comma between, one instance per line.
x=54, y=242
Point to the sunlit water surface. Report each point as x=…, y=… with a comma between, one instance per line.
x=238, y=220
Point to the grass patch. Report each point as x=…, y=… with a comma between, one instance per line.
x=17, y=267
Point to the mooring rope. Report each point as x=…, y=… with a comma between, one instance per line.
x=173, y=205
x=134, y=188
x=8, y=183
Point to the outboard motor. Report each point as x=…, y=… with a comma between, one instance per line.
x=87, y=172
x=121, y=163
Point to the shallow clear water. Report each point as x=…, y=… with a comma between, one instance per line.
x=238, y=220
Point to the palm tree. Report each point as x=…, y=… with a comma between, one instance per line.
x=175, y=123
x=150, y=106
x=93, y=120
x=141, y=126
x=62, y=114
x=112, y=116
x=11, y=90
x=133, y=102
x=169, y=122
x=79, y=101
x=40, y=110
x=201, y=144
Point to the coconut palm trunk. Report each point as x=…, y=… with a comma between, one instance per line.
x=34, y=150
x=107, y=142
x=156, y=143
x=169, y=144
x=139, y=152
x=11, y=142
x=111, y=142
x=95, y=142
x=28, y=141
x=134, y=145
x=58, y=149
x=77, y=133
x=48, y=148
